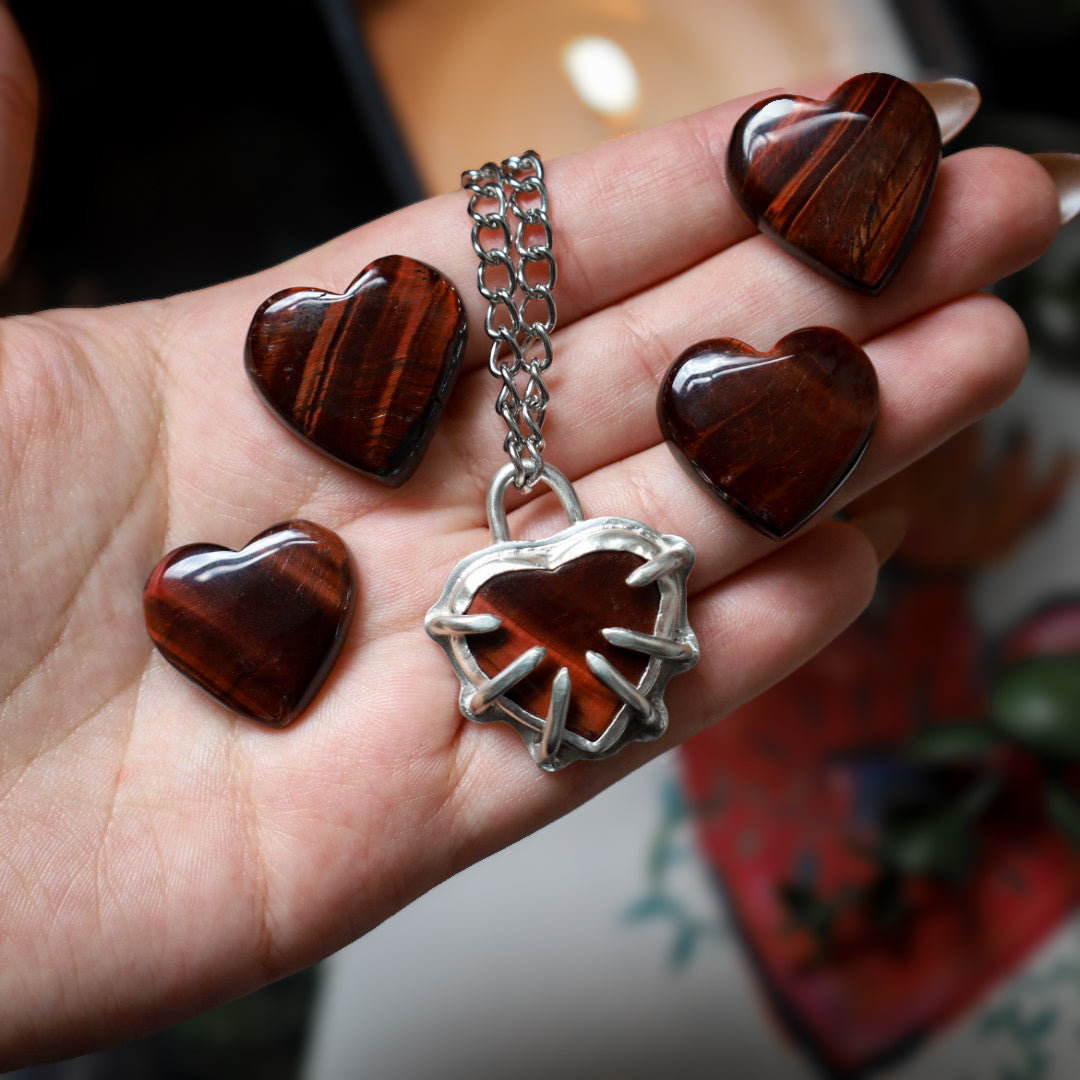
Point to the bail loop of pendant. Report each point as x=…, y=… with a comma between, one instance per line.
x=496, y=499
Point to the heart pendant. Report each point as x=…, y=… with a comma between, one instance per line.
x=842, y=184
x=362, y=375
x=572, y=639
x=772, y=434
x=258, y=629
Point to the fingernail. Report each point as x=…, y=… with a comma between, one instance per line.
x=954, y=101
x=885, y=529
x=1064, y=170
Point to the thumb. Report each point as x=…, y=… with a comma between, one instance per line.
x=18, y=130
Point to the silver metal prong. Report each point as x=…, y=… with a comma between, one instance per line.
x=463, y=624
x=619, y=685
x=510, y=676
x=555, y=724
x=657, y=567
x=649, y=644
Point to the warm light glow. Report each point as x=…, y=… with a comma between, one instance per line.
x=602, y=74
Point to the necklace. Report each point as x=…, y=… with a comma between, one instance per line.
x=572, y=639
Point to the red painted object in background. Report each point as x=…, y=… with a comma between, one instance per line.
x=786, y=788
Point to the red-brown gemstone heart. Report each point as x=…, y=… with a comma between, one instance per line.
x=363, y=375
x=773, y=434
x=842, y=184
x=258, y=629
x=565, y=609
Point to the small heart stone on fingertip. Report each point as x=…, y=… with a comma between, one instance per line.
x=841, y=184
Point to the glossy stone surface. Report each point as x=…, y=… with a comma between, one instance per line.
x=772, y=434
x=842, y=184
x=565, y=610
x=363, y=375
x=258, y=629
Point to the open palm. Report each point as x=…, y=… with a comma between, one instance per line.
x=159, y=855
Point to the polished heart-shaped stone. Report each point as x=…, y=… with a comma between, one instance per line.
x=842, y=184
x=565, y=610
x=362, y=375
x=773, y=434
x=260, y=628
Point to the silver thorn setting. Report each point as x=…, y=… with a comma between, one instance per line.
x=620, y=686
x=649, y=644
x=657, y=567
x=555, y=725
x=494, y=688
x=463, y=624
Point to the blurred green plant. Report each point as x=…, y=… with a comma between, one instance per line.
x=669, y=850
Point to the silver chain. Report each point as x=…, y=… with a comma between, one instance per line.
x=516, y=276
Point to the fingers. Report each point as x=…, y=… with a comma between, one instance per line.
x=646, y=224
x=628, y=213
x=765, y=621
x=18, y=129
x=937, y=374
x=994, y=211
x=687, y=266
x=621, y=224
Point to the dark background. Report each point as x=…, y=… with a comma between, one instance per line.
x=186, y=144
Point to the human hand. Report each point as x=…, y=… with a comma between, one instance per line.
x=160, y=855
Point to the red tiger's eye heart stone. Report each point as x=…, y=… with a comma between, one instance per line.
x=565, y=610
x=772, y=434
x=258, y=629
x=363, y=375
x=842, y=184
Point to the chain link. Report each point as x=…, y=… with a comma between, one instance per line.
x=516, y=276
